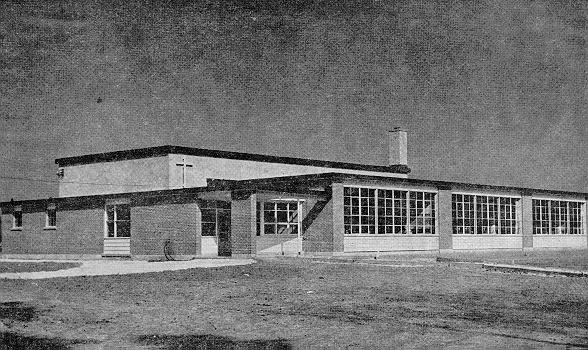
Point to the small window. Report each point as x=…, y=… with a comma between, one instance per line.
x=51, y=217
x=17, y=218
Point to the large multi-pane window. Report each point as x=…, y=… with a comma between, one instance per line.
x=279, y=217
x=118, y=220
x=557, y=217
x=386, y=211
x=359, y=210
x=392, y=213
x=216, y=217
x=484, y=214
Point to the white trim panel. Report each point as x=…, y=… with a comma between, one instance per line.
x=471, y=242
x=117, y=246
x=389, y=243
x=488, y=194
x=278, y=244
x=559, y=241
x=209, y=246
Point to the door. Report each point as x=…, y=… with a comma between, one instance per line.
x=224, y=232
x=117, y=230
x=216, y=228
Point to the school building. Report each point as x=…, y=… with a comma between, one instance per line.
x=182, y=202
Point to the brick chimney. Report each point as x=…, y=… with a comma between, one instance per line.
x=397, y=146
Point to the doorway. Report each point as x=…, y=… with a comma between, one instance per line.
x=216, y=228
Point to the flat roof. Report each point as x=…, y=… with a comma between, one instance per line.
x=165, y=150
x=302, y=184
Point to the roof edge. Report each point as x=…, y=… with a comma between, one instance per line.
x=168, y=149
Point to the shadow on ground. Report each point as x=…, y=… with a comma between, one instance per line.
x=209, y=341
x=11, y=340
x=17, y=311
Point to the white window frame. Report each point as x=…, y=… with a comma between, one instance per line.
x=474, y=209
x=115, y=220
x=50, y=207
x=16, y=209
x=408, y=191
x=262, y=223
x=550, y=200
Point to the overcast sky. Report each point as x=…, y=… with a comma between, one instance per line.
x=490, y=92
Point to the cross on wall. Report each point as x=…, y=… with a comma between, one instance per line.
x=184, y=166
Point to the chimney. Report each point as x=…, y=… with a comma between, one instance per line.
x=397, y=144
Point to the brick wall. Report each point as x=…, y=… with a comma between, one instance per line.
x=79, y=230
x=527, y=221
x=155, y=220
x=337, y=215
x=243, y=225
x=318, y=236
x=444, y=215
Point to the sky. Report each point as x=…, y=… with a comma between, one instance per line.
x=491, y=92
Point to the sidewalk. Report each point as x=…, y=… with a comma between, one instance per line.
x=119, y=267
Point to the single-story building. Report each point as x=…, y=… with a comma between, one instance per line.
x=185, y=202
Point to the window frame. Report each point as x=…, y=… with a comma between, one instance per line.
x=410, y=205
x=115, y=220
x=50, y=208
x=486, y=214
x=213, y=205
x=548, y=214
x=15, y=227
x=291, y=227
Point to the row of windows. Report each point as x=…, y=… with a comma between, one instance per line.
x=484, y=215
x=557, y=217
x=374, y=211
x=50, y=218
x=380, y=211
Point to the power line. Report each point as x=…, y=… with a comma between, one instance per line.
x=72, y=182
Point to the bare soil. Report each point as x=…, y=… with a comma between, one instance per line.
x=298, y=303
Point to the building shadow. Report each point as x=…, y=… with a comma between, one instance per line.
x=210, y=341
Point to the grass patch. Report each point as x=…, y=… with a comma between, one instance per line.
x=11, y=267
x=299, y=303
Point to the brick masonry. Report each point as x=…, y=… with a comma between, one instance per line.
x=79, y=230
x=243, y=225
x=444, y=217
x=318, y=236
x=157, y=220
x=527, y=221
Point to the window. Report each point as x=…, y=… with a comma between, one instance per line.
x=278, y=217
x=385, y=211
x=484, y=215
x=557, y=217
x=216, y=217
x=392, y=213
x=118, y=221
x=51, y=216
x=17, y=218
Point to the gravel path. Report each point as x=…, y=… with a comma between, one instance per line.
x=119, y=267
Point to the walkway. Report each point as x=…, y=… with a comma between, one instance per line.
x=119, y=267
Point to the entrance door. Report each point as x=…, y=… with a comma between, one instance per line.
x=224, y=232
x=216, y=228
x=117, y=240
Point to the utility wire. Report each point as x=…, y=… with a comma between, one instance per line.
x=70, y=182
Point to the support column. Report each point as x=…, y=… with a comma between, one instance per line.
x=445, y=219
x=243, y=224
x=526, y=220
x=338, y=224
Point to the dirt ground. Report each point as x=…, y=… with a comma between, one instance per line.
x=299, y=304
